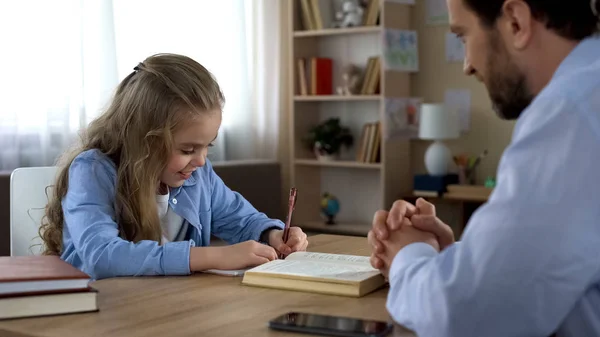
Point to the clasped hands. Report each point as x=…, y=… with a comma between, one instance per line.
x=404, y=224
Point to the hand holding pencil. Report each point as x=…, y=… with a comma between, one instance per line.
x=291, y=238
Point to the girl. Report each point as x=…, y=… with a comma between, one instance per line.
x=139, y=195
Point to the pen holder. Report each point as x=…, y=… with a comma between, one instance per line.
x=466, y=176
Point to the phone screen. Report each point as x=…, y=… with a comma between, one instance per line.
x=332, y=325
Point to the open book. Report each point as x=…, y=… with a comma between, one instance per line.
x=334, y=274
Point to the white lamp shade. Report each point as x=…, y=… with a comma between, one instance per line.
x=437, y=122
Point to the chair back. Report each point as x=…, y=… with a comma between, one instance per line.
x=30, y=188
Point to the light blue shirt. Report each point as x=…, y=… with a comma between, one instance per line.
x=528, y=263
x=91, y=238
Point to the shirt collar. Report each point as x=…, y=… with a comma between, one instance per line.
x=586, y=52
x=192, y=180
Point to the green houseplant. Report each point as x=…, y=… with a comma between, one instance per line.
x=327, y=138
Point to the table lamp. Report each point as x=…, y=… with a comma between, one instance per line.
x=437, y=123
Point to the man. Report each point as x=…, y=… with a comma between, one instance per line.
x=528, y=263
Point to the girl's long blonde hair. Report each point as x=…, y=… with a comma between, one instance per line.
x=135, y=132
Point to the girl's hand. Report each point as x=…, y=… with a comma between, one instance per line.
x=296, y=241
x=245, y=254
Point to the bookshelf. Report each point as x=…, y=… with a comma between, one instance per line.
x=361, y=187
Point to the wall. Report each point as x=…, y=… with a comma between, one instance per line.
x=487, y=130
x=435, y=75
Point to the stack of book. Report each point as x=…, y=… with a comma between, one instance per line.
x=43, y=285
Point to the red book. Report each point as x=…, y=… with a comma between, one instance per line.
x=321, y=76
x=39, y=274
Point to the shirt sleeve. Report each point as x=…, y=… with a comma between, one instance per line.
x=234, y=219
x=90, y=219
x=528, y=255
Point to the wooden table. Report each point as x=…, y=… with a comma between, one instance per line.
x=202, y=305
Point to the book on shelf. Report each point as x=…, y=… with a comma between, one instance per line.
x=319, y=75
x=311, y=15
x=302, y=77
x=43, y=285
x=369, y=146
x=372, y=76
x=332, y=274
x=371, y=13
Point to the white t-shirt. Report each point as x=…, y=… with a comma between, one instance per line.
x=173, y=228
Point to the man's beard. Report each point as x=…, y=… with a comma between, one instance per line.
x=506, y=84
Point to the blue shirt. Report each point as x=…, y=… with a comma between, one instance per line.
x=91, y=238
x=528, y=263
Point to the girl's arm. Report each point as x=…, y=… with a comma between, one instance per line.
x=234, y=219
x=89, y=220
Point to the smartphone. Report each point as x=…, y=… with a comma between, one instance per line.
x=330, y=325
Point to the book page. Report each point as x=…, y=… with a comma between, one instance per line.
x=308, y=268
x=335, y=258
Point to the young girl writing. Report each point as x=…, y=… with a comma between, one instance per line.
x=139, y=196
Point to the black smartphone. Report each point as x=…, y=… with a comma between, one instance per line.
x=330, y=325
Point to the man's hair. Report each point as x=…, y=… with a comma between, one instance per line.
x=572, y=19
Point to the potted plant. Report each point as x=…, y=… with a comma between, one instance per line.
x=327, y=138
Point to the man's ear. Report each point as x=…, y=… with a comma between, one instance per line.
x=516, y=23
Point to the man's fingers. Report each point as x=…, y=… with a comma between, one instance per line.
x=432, y=224
x=379, y=224
x=400, y=209
x=375, y=244
x=424, y=207
x=376, y=262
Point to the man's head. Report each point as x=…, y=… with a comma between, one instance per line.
x=514, y=46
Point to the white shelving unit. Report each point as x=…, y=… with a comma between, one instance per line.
x=361, y=188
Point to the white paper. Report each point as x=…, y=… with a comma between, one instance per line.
x=401, y=118
x=347, y=272
x=460, y=99
x=455, y=49
x=437, y=12
x=324, y=257
x=401, y=51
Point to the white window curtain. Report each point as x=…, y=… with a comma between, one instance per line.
x=68, y=55
x=58, y=66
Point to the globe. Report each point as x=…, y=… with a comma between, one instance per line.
x=330, y=207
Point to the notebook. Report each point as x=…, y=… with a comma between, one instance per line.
x=332, y=274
